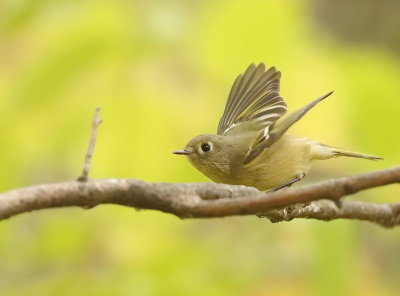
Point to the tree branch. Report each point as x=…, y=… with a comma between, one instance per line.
x=387, y=215
x=92, y=142
x=214, y=200
x=209, y=199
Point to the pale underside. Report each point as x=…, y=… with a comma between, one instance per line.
x=251, y=147
x=273, y=167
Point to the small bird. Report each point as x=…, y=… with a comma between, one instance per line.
x=251, y=146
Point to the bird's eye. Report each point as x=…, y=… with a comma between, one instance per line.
x=205, y=147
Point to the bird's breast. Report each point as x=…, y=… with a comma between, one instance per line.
x=283, y=161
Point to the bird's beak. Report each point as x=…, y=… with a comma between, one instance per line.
x=182, y=152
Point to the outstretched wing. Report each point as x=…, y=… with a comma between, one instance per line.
x=271, y=135
x=253, y=103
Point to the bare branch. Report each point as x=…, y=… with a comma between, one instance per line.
x=387, y=215
x=92, y=142
x=213, y=200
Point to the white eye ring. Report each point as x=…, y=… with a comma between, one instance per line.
x=205, y=147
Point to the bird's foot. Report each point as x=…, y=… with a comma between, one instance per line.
x=289, y=183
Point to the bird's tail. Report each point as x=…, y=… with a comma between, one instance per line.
x=342, y=152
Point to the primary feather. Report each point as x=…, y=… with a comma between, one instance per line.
x=269, y=136
x=254, y=105
x=254, y=102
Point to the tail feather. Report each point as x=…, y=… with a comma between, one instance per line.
x=341, y=152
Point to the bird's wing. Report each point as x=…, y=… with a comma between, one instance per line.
x=253, y=103
x=271, y=134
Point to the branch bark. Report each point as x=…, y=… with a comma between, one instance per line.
x=200, y=200
x=92, y=143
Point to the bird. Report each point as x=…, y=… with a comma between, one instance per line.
x=251, y=146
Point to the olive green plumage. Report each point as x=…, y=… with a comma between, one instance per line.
x=251, y=147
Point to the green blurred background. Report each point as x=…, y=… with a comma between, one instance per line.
x=161, y=71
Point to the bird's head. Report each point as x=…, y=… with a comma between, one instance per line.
x=208, y=153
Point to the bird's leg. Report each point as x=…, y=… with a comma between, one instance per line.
x=289, y=183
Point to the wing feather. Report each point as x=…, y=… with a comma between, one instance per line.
x=253, y=101
x=254, y=105
x=271, y=134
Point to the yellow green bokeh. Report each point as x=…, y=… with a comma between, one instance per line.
x=161, y=71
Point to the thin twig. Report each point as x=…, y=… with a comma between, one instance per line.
x=92, y=142
x=212, y=200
